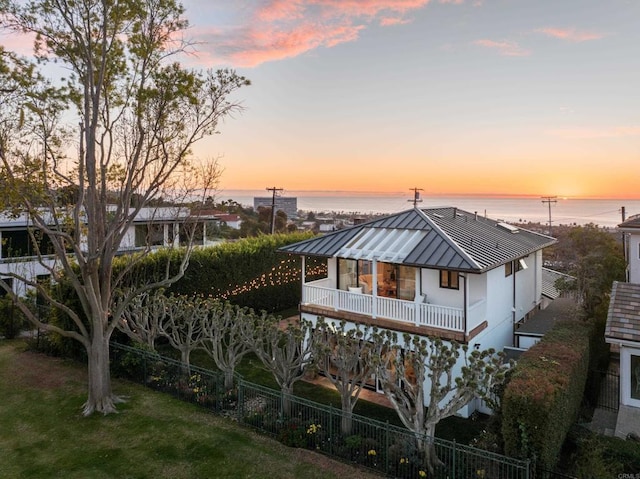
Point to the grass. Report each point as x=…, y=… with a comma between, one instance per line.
x=43, y=434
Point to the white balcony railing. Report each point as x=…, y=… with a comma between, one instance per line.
x=420, y=314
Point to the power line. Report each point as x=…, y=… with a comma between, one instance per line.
x=548, y=200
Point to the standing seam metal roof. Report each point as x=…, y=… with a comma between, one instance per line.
x=455, y=239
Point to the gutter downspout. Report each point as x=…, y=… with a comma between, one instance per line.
x=374, y=288
x=304, y=279
x=513, y=308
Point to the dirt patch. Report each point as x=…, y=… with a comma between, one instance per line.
x=38, y=371
x=344, y=471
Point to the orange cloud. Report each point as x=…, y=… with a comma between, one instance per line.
x=570, y=34
x=596, y=133
x=280, y=29
x=504, y=47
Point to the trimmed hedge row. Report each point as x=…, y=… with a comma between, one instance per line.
x=249, y=272
x=543, y=397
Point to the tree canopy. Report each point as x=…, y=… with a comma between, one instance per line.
x=81, y=156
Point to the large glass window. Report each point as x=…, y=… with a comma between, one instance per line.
x=406, y=282
x=19, y=243
x=347, y=273
x=354, y=273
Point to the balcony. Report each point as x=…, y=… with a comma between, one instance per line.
x=318, y=293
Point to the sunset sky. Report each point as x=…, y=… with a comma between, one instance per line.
x=536, y=97
x=452, y=96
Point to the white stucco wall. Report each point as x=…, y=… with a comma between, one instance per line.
x=30, y=269
x=466, y=411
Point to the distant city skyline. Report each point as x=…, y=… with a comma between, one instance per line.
x=476, y=97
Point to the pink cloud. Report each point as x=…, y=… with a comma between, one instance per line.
x=390, y=21
x=504, y=47
x=278, y=29
x=570, y=34
x=596, y=133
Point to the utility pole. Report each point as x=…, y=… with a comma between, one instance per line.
x=624, y=241
x=416, y=196
x=274, y=190
x=548, y=200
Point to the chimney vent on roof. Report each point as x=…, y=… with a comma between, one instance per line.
x=455, y=212
x=476, y=215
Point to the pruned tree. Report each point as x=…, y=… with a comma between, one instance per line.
x=118, y=130
x=284, y=351
x=183, y=324
x=223, y=331
x=408, y=367
x=142, y=316
x=348, y=358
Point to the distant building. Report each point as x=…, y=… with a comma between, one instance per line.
x=287, y=204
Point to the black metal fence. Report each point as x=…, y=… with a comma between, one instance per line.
x=298, y=422
x=608, y=389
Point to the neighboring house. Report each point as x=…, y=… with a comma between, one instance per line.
x=622, y=329
x=630, y=230
x=232, y=221
x=433, y=272
x=152, y=228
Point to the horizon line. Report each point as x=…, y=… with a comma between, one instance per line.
x=440, y=195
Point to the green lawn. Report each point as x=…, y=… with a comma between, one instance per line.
x=43, y=435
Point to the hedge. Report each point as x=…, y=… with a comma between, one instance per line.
x=543, y=397
x=249, y=272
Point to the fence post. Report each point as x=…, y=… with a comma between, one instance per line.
x=386, y=448
x=331, y=438
x=240, y=407
x=144, y=369
x=454, y=459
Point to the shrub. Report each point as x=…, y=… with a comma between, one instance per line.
x=543, y=398
x=11, y=319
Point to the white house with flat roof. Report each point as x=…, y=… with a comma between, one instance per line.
x=26, y=252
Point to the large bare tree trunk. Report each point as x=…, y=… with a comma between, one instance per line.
x=429, y=448
x=100, y=398
x=347, y=412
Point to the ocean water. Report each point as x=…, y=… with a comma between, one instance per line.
x=568, y=211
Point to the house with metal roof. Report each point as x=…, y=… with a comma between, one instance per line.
x=433, y=271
